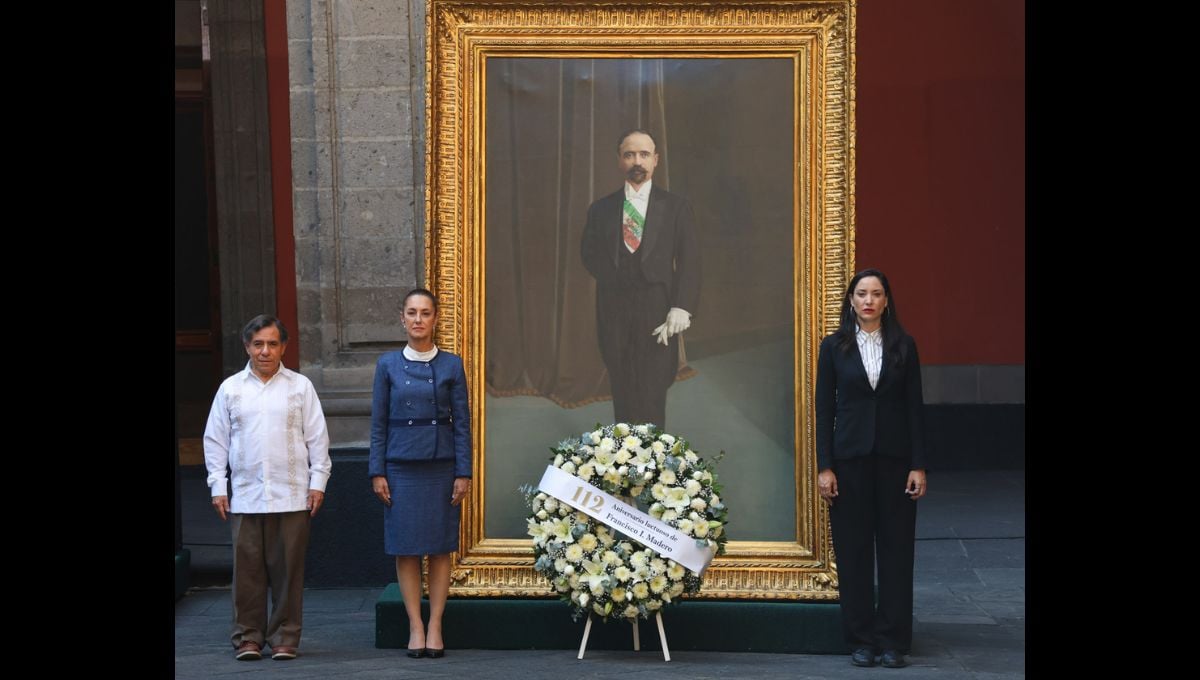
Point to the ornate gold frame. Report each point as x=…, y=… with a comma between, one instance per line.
x=818, y=35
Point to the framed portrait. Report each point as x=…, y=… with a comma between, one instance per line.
x=749, y=107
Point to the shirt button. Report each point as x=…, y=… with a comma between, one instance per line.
x=431, y=380
x=410, y=422
x=408, y=403
x=406, y=382
x=433, y=422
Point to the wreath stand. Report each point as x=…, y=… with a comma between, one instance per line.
x=637, y=643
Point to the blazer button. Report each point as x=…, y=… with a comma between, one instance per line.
x=433, y=422
x=431, y=380
x=410, y=422
x=406, y=382
x=408, y=403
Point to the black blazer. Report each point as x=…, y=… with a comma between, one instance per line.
x=854, y=420
x=669, y=252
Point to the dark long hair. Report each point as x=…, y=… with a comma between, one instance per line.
x=893, y=332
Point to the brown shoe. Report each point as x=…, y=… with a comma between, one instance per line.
x=284, y=653
x=248, y=651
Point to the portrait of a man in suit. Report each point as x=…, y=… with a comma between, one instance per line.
x=639, y=243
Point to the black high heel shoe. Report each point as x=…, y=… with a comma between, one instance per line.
x=435, y=653
x=416, y=653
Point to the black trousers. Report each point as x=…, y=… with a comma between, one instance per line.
x=872, y=518
x=639, y=368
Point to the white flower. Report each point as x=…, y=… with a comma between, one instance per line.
x=658, y=448
x=574, y=552
x=648, y=476
x=685, y=525
x=604, y=459
x=576, y=460
x=693, y=487
x=658, y=583
x=618, y=594
x=630, y=611
x=607, y=539
x=622, y=456
x=666, y=477
x=586, y=471
x=676, y=498
x=638, y=560
x=558, y=460
x=583, y=599
x=631, y=443
x=658, y=491
x=694, y=516
x=701, y=529
x=551, y=504
x=561, y=529
x=621, y=429
x=542, y=514
x=691, y=456
x=642, y=429
x=656, y=510
x=569, y=570
x=669, y=515
x=607, y=444
x=667, y=438
x=715, y=500
x=676, y=590
x=675, y=572
x=612, y=558
x=715, y=529
x=612, y=476
x=697, y=475
x=568, y=467
x=595, y=436
x=657, y=565
x=706, y=476
x=653, y=605
x=537, y=530
x=622, y=573
x=641, y=591
x=587, y=542
x=699, y=504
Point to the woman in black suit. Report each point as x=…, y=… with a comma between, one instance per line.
x=871, y=458
x=420, y=464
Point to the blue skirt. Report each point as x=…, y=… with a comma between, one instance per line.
x=421, y=520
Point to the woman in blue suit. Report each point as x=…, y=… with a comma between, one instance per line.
x=871, y=458
x=420, y=464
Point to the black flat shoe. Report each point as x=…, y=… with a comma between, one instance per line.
x=435, y=653
x=863, y=657
x=417, y=653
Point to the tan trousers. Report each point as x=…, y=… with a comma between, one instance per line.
x=268, y=553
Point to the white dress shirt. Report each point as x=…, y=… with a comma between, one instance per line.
x=870, y=346
x=272, y=436
x=640, y=200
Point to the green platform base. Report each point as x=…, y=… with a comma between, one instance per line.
x=753, y=626
x=183, y=563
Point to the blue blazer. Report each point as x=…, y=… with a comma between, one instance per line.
x=419, y=412
x=854, y=420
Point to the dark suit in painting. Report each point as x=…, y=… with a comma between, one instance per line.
x=634, y=292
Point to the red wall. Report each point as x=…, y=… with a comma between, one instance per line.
x=941, y=171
